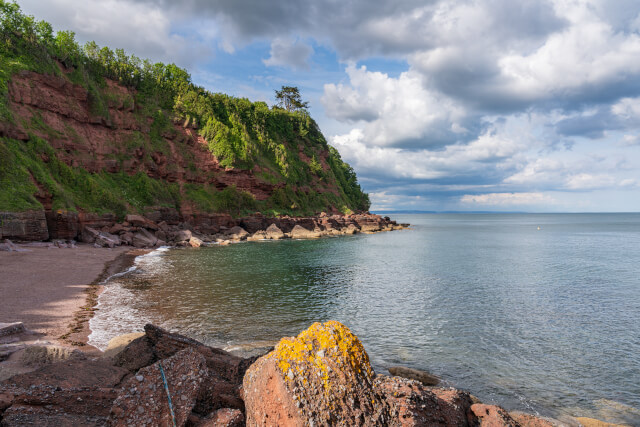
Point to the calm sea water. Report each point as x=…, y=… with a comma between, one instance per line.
x=534, y=312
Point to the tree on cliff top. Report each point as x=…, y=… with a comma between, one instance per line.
x=289, y=98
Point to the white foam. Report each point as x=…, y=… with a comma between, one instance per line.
x=116, y=312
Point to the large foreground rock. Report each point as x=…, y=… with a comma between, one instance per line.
x=144, y=400
x=321, y=377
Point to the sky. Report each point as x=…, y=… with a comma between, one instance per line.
x=469, y=105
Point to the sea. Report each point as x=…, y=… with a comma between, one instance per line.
x=534, y=312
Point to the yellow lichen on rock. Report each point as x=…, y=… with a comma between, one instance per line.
x=320, y=346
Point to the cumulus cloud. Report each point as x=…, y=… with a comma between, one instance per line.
x=289, y=53
x=398, y=111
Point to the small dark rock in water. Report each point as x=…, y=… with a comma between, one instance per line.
x=414, y=374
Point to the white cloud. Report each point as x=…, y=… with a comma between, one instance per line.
x=510, y=199
x=286, y=52
x=396, y=111
x=490, y=152
x=587, y=181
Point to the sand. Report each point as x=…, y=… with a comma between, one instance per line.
x=44, y=287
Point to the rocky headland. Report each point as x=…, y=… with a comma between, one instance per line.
x=166, y=227
x=322, y=377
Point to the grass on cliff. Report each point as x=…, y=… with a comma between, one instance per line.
x=23, y=164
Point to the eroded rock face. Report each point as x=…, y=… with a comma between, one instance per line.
x=144, y=239
x=412, y=404
x=273, y=232
x=414, y=374
x=299, y=232
x=29, y=225
x=62, y=224
x=321, y=377
x=144, y=400
x=237, y=233
x=492, y=416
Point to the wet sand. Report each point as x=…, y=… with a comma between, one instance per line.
x=47, y=288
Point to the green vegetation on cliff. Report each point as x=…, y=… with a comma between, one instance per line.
x=282, y=149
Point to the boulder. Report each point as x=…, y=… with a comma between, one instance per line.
x=351, y=229
x=412, y=404
x=158, y=343
x=144, y=239
x=161, y=235
x=89, y=235
x=127, y=238
x=181, y=236
x=237, y=233
x=528, y=420
x=492, y=416
x=258, y=235
x=194, y=242
x=321, y=377
x=414, y=374
x=273, y=232
x=299, y=232
x=140, y=221
x=40, y=355
x=117, y=344
x=107, y=240
x=118, y=228
x=144, y=401
x=9, y=246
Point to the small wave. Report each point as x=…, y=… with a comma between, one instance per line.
x=115, y=311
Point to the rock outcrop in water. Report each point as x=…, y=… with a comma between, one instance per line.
x=167, y=227
x=322, y=377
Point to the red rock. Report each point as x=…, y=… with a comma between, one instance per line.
x=225, y=417
x=321, y=377
x=299, y=232
x=528, y=420
x=89, y=235
x=144, y=239
x=237, y=233
x=412, y=404
x=414, y=374
x=117, y=229
x=144, y=400
x=29, y=225
x=492, y=416
x=273, y=232
x=140, y=221
x=62, y=224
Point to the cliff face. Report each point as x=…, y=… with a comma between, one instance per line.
x=54, y=127
x=88, y=131
x=58, y=111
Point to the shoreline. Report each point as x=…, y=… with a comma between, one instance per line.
x=53, y=290
x=80, y=329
